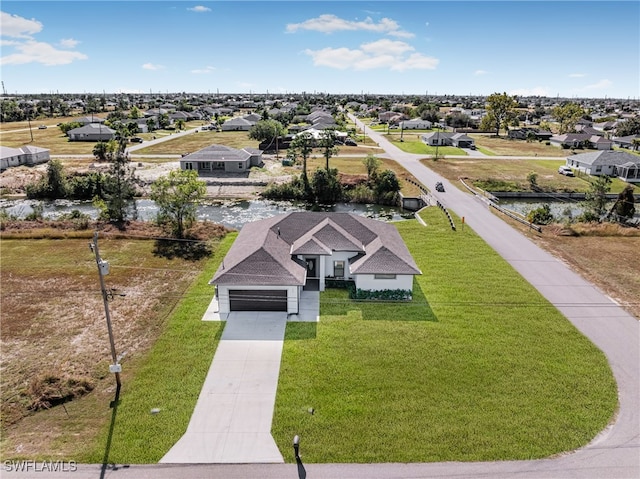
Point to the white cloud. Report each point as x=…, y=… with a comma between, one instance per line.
x=536, y=91
x=206, y=69
x=577, y=75
x=328, y=23
x=375, y=55
x=69, y=43
x=601, y=85
x=8, y=43
x=18, y=27
x=480, y=72
x=39, y=52
x=199, y=9
x=151, y=66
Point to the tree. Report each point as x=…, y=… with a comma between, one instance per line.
x=372, y=164
x=151, y=124
x=540, y=216
x=119, y=185
x=134, y=113
x=532, y=178
x=266, y=130
x=387, y=187
x=628, y=127
x=567, y=116
x=625, y=206
x=179, y=124
x=501, y=107
x=326, y=187
x=328, y=144
x=53, y=186
x=100, y=150
x=302, y=145
x=177, y=197
x=596, y=198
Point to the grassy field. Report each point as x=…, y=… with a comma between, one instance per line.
x=511, y=175
x=490, y=145
x=479, y=367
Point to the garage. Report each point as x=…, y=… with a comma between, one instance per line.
x=258, y=300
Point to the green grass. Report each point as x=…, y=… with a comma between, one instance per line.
x=169, y=378
x=480, y=367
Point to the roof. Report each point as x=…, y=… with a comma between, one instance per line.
x=93, y=128
x=264, y=251
x=606, y=157
x=220, y=153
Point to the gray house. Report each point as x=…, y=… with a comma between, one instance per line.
x=218, y=158
x=92, y=132
x=273, y=260
x=621, y=164
x=25, y=155
x=238, y=124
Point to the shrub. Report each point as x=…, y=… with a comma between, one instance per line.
x=48, y=390
x=540, y=216
x=384, y=295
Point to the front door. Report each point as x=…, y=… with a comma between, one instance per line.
x=312, y=268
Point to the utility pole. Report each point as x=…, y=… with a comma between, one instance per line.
x=103, y=269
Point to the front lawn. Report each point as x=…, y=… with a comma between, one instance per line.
x=479, y=367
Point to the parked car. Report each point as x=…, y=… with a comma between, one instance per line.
x=566, y=171
x=350, y=142
x=439, y=187
x=136, y=139
x=42, y=127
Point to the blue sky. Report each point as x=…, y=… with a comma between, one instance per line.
x=548, y=48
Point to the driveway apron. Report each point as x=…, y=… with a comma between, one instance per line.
x=231, y=422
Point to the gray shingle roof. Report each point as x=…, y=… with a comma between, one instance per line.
x=218, y=153
x=262, y=252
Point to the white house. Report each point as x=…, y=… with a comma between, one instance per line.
x=25, y=155
x=215, y=158
x=621, y=164
x=415, y=124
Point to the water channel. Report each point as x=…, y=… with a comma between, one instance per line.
x=235, y=214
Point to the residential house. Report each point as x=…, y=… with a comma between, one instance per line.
x=237, y=124
x=87, y=120
x=415, y=124
x=92, y=132
x=25, y=155
x=273, y=260
x=581, y=140
x=444, y=138
x=523, y=134
x=626, y=141
x=621, y=164
x=217, y=158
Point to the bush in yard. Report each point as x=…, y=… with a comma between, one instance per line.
x=384, y=295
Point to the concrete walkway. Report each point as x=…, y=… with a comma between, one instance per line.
x=231, y=422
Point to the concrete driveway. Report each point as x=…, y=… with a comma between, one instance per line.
x=231, y=422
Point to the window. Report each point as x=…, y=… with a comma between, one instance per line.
x=384, y=276
x=240, y=165
x=188, y=166
x=598, y=169
x=338, y=269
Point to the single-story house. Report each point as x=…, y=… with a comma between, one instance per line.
x=523, y=134
x=621, y=164
x=92, y=132
x=219, y=157
x=25, y=155
x=626, y=141
x=415, y=124
x=273, y=260
x=238, y=124
x=581, y=140
x=443, y=138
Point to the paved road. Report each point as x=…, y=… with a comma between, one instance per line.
x=614, y=454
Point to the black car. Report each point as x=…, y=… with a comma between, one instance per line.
x=136, y=139
x=350, y=142
x=439, y=187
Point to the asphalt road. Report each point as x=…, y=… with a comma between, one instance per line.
x=613, y=454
